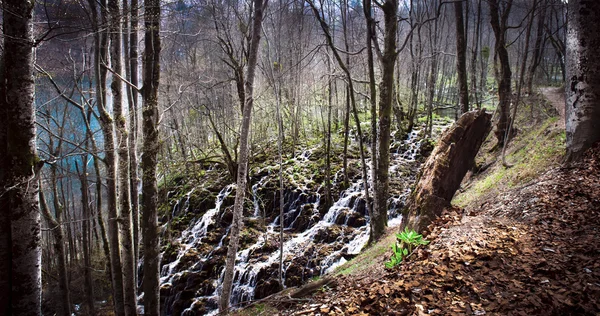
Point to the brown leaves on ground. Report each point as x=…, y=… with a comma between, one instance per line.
x=530, y=251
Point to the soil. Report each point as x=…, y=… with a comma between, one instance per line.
x=530, y=250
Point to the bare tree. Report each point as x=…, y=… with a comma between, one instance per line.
x=152, y=49
x=20, y=245
x=499, y=18
x=236, y=226
x=461, y=58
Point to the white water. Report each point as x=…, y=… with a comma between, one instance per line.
x=248, y=268
x=190, y=238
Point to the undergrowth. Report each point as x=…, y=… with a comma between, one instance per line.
x=538, y=145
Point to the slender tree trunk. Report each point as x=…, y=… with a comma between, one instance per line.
x=133, y=66
x=236, y=225
x=461, y=58
x=583, y=87
x=498, y=22
x=129, y=297
x=108, y=130
x=346, y=71
x=538, y=48
x=87, y=220
x=20, y=226
x=475, y=52
x=372, y=100
x=152, y=49
x=55, y=224
x=386, y=90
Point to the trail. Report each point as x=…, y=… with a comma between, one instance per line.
x=527, y=250
x=556, y=97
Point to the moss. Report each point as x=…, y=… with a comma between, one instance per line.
x=530, y=153
x=366, y=259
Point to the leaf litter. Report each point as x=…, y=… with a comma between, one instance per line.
x=533, y=250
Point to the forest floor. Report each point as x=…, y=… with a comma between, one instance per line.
x=519, y=244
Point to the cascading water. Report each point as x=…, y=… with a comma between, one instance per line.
x=190, y=238
x=316, y=240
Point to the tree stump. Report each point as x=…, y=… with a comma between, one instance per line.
x=445, y=168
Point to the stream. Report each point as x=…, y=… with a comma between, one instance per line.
x=316, y=240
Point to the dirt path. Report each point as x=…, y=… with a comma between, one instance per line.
x=556, y=96
x=530, y=251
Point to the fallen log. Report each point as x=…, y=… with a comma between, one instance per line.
x=445, y=168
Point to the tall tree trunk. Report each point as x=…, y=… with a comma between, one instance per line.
x=461, y=58
x=346, y=71
x=100, y=83
x=133, y=66
x=21, y=237
x=87, y=220
x=55, y=224
x=108, y=130
x=583, y=87
x=367, y=5
x=386, y=90
x=475, y=52
x=236, y=225
x=538, y=48
x=521, y=80
x=129, y=296
x=498, y=22
x=152, y=48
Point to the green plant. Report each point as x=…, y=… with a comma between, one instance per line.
x=408, y=238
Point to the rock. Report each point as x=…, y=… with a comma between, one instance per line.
x=356, y=219
x=265, y=288
x=446, y=167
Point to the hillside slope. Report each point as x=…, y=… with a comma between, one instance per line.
x=525, y=242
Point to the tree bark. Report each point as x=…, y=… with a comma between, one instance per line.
x=498, y=22
x=538, y=48
x=108, y=129
x=21, y=234
x=133, y=66
x=152, y=49
x=115, y=28
x=240, y=193
x=386, y=91
x=583, y=85
x=461, y=58
x=87, y=240
x=55, y=225
x=367, y=5
x=445, y=168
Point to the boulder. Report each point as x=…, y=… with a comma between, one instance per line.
x=445, y=168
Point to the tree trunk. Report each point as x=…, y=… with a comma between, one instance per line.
x=55, y=225
x=461, y=58
x=583, y=86
x=152, y=49
x=373, y=102
x=386, y=91
x=129, y=297
x=538, y=48
x=475, y=52
x=445, y=168
x=498, y=22
x=21, y=237
x=133, y=66
x=240, y=193
x=87, y=241
x=108, y=130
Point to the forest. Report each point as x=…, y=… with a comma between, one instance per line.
x=299, y=157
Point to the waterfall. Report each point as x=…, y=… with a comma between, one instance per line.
x=330, y=238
